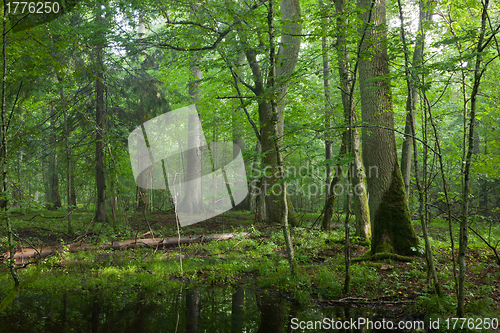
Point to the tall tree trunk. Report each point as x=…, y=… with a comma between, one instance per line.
x=389, y=214
x=347, y=245
x=255, y=182
x=45, y=177
x=238, y=137
x=69, y=178
x=68, y=174
x=357, y=176
x=350, y=138
x=285, y=65
x=328, y=102
x=192, y=203
x=420, y=185
x=54, y=195
x=100, y=177
x=278, y=137
x=425, y=10
x=464, y=223
x=329, y=209
x=3, y=162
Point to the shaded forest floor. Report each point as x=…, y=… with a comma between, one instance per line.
x=258, y=260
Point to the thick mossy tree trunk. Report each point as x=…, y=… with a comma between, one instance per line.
x=392, y=231
x=271, y=182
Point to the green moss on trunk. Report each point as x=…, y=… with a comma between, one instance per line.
x=273, y=208
x=392, y=229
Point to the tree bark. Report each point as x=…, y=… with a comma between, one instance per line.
x=192, y=203
x=329, y=209
x=389, y=214
x=425, y=15
x=278, y=136
x=239, y=139
x=328, y=103
x=285, y=65
x=25, y=254
x=357, y=174
x=420, y=187
x=54, y=195
x=100, y=177
x=3, y=161
x=464, y=224
x=255, y=182
x=68, y=174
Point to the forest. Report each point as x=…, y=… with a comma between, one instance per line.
x=250, y=166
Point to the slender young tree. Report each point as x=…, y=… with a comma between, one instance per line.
x=410, y=104
x=3, y=165
x=357, y=173
x=238, y=133
x=464, y=223
x=425, y=16
x=278, y=136
x=69, y=185
x=100, y=176
x=328, y=102
x=54, y=195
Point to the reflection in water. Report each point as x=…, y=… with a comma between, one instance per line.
x=162, y=309
x=192, y=311
x=238, y=310
x=272, y=314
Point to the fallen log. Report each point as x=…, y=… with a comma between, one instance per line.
x=24, y=255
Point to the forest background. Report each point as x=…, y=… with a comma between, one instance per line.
x=382, y=111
